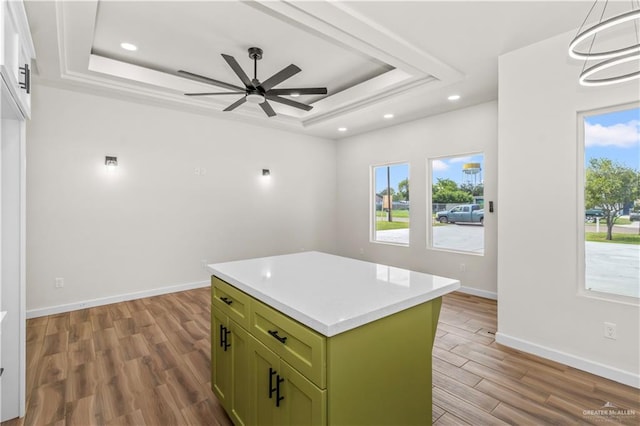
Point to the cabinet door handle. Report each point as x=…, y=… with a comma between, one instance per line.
x=272, y=373
x=227, y=332
x=278, y=397
x=26, y=84
x=226, y=300
x=274, y=333
x=223, y=336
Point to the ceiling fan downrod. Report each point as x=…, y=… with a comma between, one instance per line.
x=255, y=53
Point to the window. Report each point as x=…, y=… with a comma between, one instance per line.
x=391, y=204
x=610, y=205
x=457, y=197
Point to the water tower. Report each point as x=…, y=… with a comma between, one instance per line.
x=472, y=173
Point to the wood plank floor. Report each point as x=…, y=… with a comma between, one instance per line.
x=147, y=362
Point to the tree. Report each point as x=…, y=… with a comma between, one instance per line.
x=476, y=190
x=384, y=192
x=610, y=186
x=403, y=189
x=447, y=191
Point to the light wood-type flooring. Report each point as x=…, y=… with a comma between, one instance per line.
x=147, y=362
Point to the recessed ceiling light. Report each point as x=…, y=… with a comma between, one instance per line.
x=387, y=116
x=454, y=97
x=129, y=46
x=342, y=129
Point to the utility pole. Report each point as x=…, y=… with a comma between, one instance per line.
x=389, y=199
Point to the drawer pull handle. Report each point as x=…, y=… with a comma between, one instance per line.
x=226, y=300
x=274, y=333
x=278, y=397
x=272, y=373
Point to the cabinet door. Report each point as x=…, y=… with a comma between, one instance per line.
x=240, y=411
x=280, y=395
x=263, y=383
x=304, y=403
x=16, y=52
x=220, y=358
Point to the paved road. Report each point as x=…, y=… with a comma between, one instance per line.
x=611, y=267
x=447, y=237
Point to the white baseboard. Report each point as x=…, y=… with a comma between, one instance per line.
x=51, y=310
x=602, y=370
x=480, y=293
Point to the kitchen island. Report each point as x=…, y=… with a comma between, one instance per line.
x=312, y=338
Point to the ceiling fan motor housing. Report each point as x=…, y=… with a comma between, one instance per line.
x=255, y=53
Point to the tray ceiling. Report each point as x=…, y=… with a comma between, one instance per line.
x=375, y=57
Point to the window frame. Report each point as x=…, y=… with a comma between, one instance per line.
x=372, y=203
x=429, y=206
x=581, y=264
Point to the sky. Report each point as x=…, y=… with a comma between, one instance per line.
x=445, y=168
x=614, y=135
x=397, y=172
x=451, y=168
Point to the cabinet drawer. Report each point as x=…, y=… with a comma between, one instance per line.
x=301, y=347
x=230, y=301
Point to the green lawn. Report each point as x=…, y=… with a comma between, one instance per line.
x=383, y=225
x=617, y=238
x=394, y=213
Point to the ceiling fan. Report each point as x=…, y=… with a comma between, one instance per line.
x=257, y=92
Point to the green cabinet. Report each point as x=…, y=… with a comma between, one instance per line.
x=268, y=369
x=220, y=357
x=230, y=366
x=279, y=393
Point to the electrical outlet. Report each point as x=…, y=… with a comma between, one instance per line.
x=59, y=282
x=204, y=263
x=463, y=267
x=610, y=331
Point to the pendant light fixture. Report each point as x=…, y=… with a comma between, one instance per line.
x=616, y=58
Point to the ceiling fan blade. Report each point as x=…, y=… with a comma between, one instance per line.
x=280, y=76
x=216, y=93
x=266, y=107
x=236, y=104
x=235, y=66
x=304, y=91
x=208, y=80
x=289, y=102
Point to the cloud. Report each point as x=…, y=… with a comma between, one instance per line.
x=439, y=165
x=460, y=160
x=621, y=135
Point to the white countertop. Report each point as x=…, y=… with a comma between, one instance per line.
x=331, y=294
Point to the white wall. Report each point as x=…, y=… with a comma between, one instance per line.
x=540, y=309
x=151, y=223
x=464, y=131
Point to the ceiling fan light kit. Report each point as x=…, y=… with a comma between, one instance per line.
x=255, y=98
x=254, y=91
x=612, y=57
